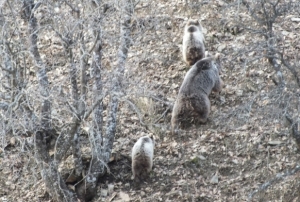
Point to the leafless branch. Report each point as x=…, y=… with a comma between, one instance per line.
x=4, y=105
x=54, y=182
x=270, y=11
x=279, y=176
x=294, y=129
x=97, y=102
x=137, y=111
x=64, y=140
x=97, y=165
x=122, y=55
x=77, y=155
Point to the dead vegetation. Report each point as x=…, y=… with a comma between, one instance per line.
x=245, y=151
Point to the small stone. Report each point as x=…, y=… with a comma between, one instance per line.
x=274, y=142
x=12, y=141
x=4, y=199
x=239, y=92
x=214, y=179
x=110, y=188
x=235, y=161
x=56, y=10
x=295, y=19
x=148, y=189
x=221, y=47
x=12, y=187
x=284, y=33
x=222, y=99
x=104, y=192
x=174, y=86
x=202, y=157
x=124, y=197
x=8, y=183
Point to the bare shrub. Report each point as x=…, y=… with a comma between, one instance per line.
x=55, y=82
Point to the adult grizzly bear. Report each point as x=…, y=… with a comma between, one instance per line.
x=192, y=104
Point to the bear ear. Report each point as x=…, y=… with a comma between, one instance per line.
x=193, y=22
x=189, y=22
x=199, y=25
x=152, y=137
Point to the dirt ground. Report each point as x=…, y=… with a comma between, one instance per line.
x=246, y=141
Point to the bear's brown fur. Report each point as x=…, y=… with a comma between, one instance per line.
x=192, y=104
x=142, y=157
x=193, y=48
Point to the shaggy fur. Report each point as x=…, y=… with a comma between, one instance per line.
x=192, y=104
x=142, y=157
x=193, y=48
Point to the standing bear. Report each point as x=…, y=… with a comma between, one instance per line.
x=142, y=157
x=193, y=42
x=192, y=104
